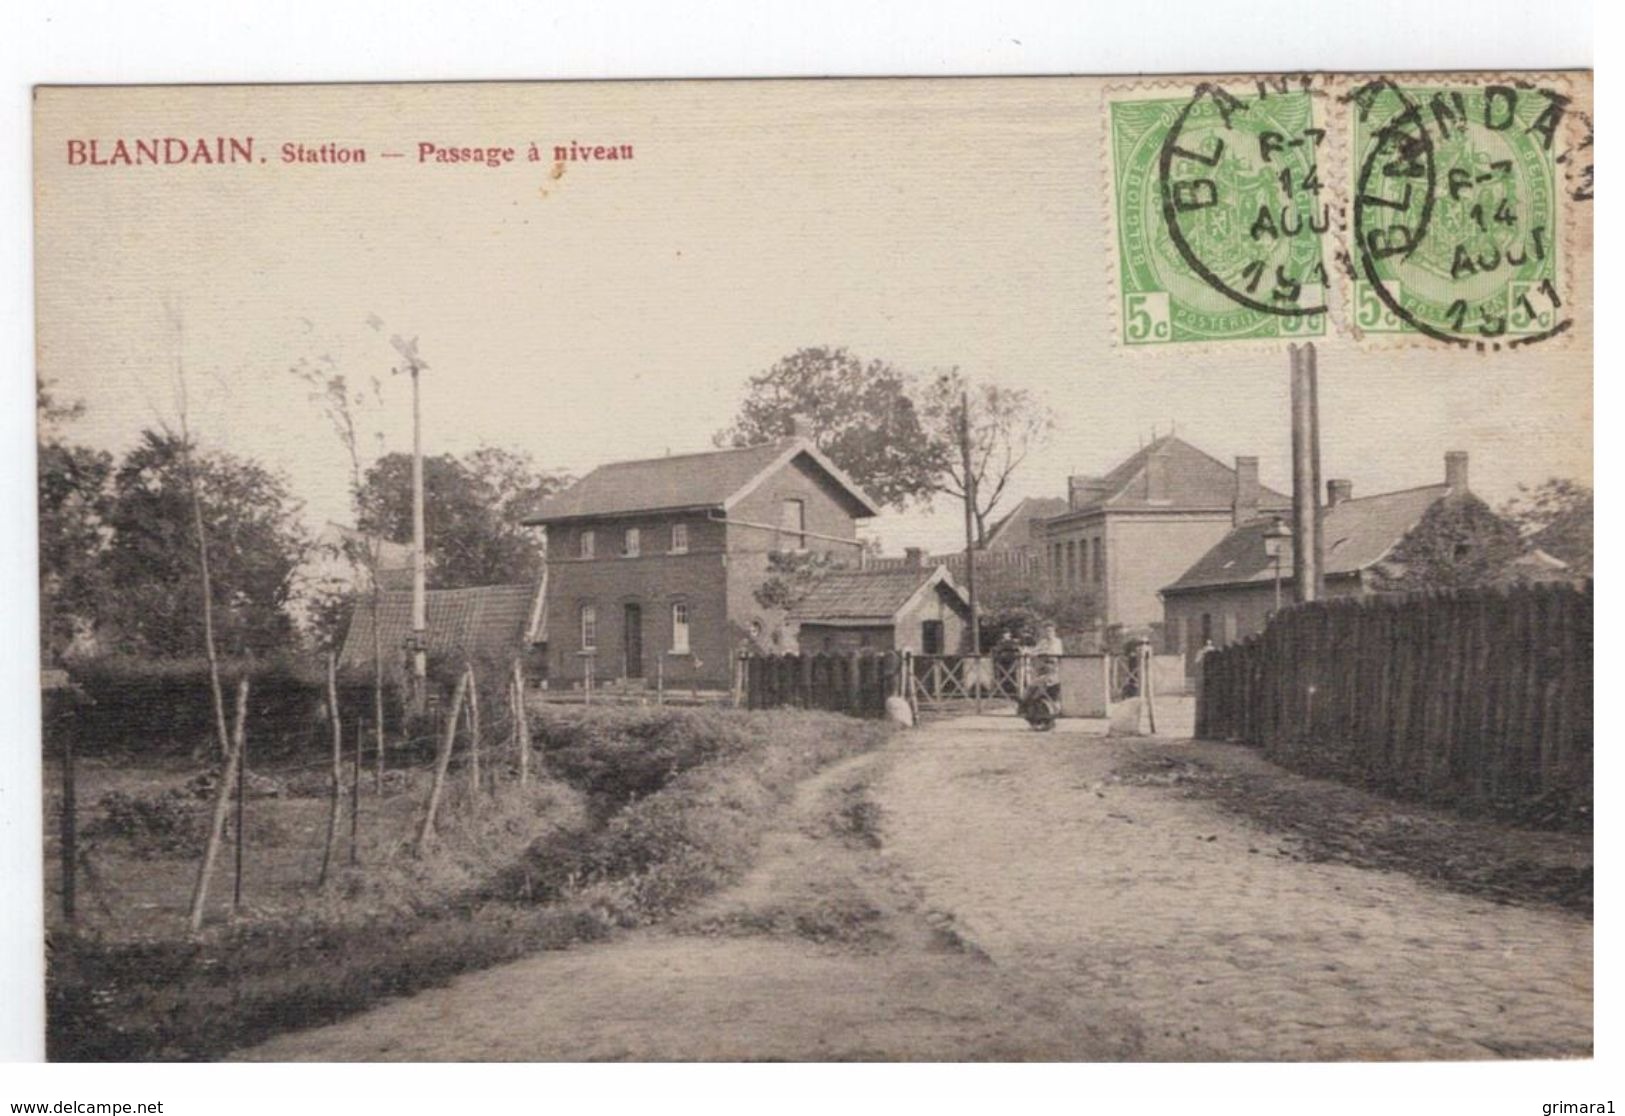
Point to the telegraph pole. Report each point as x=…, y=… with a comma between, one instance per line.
x=970, y=526
x=1307, y=577
x=420, y=610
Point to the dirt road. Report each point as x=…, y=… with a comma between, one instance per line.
x=980, y=892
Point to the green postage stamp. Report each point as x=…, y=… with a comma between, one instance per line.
x=1222, y=206
x=1455, y=211
x=1422, y=211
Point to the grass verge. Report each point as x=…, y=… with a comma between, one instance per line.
x=646, y=812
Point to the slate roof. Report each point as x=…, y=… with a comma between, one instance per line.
x=1013, y=529
x=692, y=480
x=878, y=595
x=483, y=620
x=1194, y=480
x=1358, y=534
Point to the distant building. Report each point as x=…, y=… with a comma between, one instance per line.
x=663, y=557
x=1015, y=531
x=1230, y=591
x=1123, y=536
x=912, y=608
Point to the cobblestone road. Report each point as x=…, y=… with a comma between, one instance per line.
x=1166, y=911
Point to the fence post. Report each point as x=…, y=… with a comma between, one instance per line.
x=336, y=780
x=521, y=723
x=70, y=828
x=1146, y=688
x=474, y=729
x=442, y=761
x=355, y=794
x=222, y=802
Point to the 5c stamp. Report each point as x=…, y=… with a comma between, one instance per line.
x=1433, y=209
x=1221, y=206
x=1456, y=222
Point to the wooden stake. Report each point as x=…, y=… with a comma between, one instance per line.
x=474, y=728
x=336, y=783
x=442, y=761
x=521, y=726
x=355, y=792
x=222, y=802
x=70, y=829
x=242, y=798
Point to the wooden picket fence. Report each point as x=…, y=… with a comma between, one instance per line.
x=1478, y=696
x=858, y=683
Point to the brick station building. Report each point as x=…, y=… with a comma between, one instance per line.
x=653, y=565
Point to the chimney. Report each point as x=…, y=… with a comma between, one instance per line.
x=1245, y=504
x=1455, y=470
x=914, y=556
x=1082, y=491
x=1337, y=491
x=1156, y=477
x=799, y=427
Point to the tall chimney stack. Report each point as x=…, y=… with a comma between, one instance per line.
x=1337, y=491
x=1455, y=470
x=1245, y=504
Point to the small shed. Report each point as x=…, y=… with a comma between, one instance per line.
x=480, y=622
x=914, y=608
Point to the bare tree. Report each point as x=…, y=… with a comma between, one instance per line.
x=189, y=471
x=332, y=392
x=1004, y=426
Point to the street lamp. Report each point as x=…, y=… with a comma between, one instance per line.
x=1275, y=538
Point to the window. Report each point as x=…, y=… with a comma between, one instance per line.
x=679, y=628
x=679, y=538
x=589, y=628
x=1207, y=628
x=1099, y=548
x=588, y=541
x=632, y=544
x=1071, y=561
x=793, y=522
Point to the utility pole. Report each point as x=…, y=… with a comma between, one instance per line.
x=420, y=609
x=970, y=526
x=1316, y=489
x=1306, y=545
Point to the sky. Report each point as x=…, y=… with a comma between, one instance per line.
x=601, y=311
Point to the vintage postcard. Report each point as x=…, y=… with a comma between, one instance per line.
x=1004, y=569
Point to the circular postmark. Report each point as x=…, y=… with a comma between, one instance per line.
x=1242, y=197
x=1455, y=217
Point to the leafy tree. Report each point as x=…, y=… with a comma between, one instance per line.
x=73, y=508
x=1004, y=426
x=472, y=508
x=256, y=544
x=1556, y=516
x=792, y=574
x=1460, y=543
x=858, y=412
x=1021, y=603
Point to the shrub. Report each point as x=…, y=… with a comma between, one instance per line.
x=170, y=823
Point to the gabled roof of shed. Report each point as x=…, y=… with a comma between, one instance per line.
x=484, y=620
x=877, y=595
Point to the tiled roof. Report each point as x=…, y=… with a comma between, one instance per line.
x=1194, y=480
x=690, y=480
x=865, y=594
x=1012, y=529
x=485, y=620
x=1357, y=534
